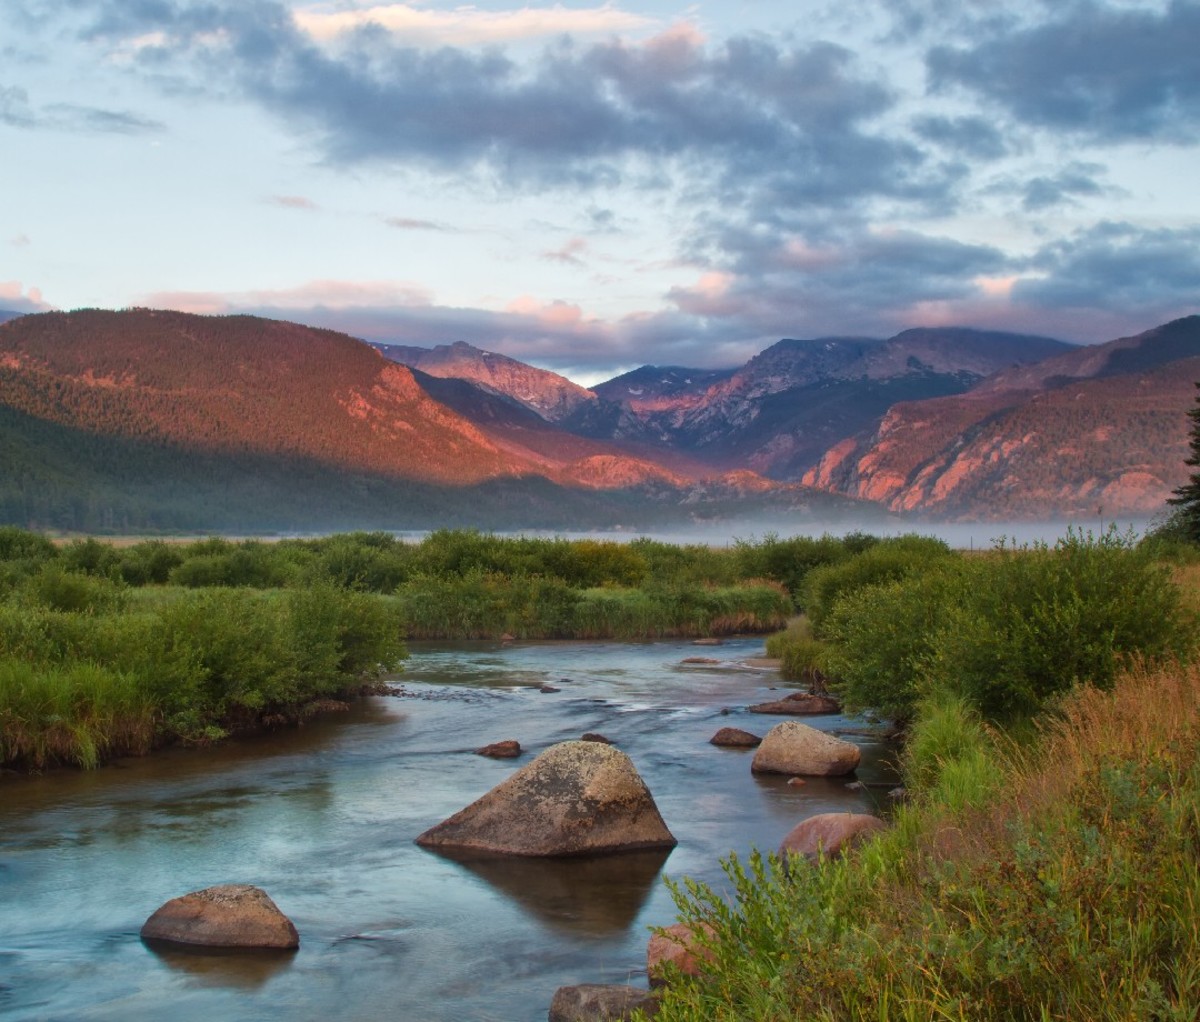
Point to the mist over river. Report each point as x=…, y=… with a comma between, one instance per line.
x=324, y=817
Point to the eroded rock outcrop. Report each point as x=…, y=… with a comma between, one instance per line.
x=229, y=915
x=576, y=798
x=795, y=748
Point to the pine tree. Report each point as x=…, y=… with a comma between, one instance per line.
x=1186, y=517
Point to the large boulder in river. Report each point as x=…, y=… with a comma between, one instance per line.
x=229, y=915
x=576, y=798
x=795, y=748
x=599, y=1002
x=829, y=834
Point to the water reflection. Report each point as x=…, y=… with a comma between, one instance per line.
x=323, y=818
x=593, y=896
x=244, y=969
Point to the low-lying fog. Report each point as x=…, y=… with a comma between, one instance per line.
x=960, y=535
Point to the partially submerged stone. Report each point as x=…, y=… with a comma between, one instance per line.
x=799, y=703
x=830, y=834
x=735, y=738
x=599, y=1002
x=508, y=749
x=228, y=915
x=576, y=798
x=795, y=748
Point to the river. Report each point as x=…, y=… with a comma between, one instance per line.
x=323, y=818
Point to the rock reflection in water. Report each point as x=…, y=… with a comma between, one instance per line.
x=595, y=896
x=246, y=969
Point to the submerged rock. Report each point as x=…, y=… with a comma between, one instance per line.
x=795, y=748
x=735, y=738
x=229, y=915
x=576, y=798
x=597, y=1002
x=831, y=834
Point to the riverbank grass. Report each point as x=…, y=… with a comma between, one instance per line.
x=1051, y=880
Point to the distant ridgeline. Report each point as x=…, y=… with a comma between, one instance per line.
x=146, y=420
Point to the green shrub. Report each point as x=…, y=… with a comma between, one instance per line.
x=789, y=561
x=1032, y=623
x=885, y=561
x=58, y=589
x=879, y=638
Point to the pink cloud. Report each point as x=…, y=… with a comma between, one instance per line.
x=16, y=298
x=467, y=25
x=292, y=202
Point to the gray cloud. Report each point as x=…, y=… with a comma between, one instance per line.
x=1073, y=181
x=17, y=111
x=758, y=120
x=974, y=137
x=1110, y=73
x=1117, y=266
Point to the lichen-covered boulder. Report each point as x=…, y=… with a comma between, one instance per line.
x=576, y=798
x=795, y=748
x=599, y=1002
x=229, y=915
x=829, y=834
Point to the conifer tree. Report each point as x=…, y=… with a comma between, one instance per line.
x=1186, y=517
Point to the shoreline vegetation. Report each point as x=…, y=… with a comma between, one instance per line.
x=1042, y=867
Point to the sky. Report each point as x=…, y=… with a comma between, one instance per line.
x=590, y=187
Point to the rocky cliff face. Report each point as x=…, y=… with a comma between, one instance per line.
x=1102, y=427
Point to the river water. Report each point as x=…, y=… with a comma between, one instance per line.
x=324, y=817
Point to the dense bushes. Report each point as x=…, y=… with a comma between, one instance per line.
x=1007, y=631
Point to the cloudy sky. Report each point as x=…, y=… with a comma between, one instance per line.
x=593, y=186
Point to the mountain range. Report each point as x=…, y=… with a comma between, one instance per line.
x=146, y=419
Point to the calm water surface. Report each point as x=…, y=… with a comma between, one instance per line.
x=324, y=819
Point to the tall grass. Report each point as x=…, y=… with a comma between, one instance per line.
x=1064, y=889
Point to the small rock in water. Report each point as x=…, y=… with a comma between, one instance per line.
x=856, y=786
x=711, y=641
x=699, y=660
x=735, y=738
x=549, y=688
x=228, y=915
x=507, y=749
x=796, y=782
x=592, y=736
